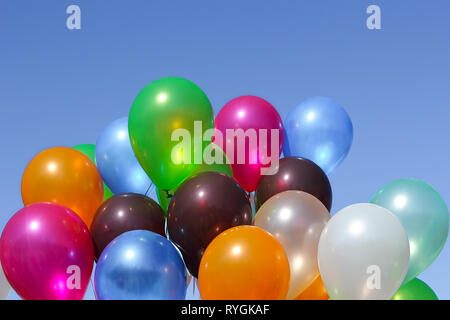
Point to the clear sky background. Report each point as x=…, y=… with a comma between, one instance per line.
x=61, y=87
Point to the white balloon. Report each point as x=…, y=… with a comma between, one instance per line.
x=363, y=253
x=5, y=288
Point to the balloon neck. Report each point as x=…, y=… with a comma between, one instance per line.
x=168, y=194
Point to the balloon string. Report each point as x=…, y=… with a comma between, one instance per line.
x=148, y=189
x=193, y=285
x=93, y=289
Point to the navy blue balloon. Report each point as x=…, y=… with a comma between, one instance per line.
x=320, y=130
x=140, y=265
x=116, y=162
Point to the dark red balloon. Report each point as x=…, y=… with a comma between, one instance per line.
x=201, y=208
x=125, y=212
x=295, y=174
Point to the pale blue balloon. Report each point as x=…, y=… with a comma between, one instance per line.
x=140, y=265
x=424, y=215
x=320, y=130
x=116, y=162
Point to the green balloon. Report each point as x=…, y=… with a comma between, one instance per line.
x=415, y=290
x=89, y=151
x=424, y=215
x=159, y=109
x=222, y=167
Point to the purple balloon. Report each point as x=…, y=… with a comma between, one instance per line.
x=47, y=253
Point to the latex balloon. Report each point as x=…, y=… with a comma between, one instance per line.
x=296, y=219
x=140, y=265
x=363, y=253
x=415, y=290
x=5, y=288
x=47, y=253
x=122, y=213
x=64, y=176
x=316, y=291
x=295, y=174
x=253, y=114
x=319, y=129
x=424, y=215
x=89, y=151
x=244, y=263
x=159, y=109
x=201, y=208
x=164, y=197
x=116, y=160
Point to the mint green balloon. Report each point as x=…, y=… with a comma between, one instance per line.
x=415, y=290
x=424, y=215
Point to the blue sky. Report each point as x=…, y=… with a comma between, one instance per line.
x=61, y=87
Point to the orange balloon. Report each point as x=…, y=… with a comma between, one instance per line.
x=316, y=291
x=64, y=176
x=244, y=263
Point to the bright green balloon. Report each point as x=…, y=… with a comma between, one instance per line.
x=424, y=215
x=415, y=290
x=160, y=108
x=223, y=167
x=89, y=151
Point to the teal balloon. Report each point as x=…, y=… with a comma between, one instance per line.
x=424, y=215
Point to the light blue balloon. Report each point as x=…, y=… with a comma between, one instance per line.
x=116, y=162
x=424, y=215
x=320, y=130
x=140, y=265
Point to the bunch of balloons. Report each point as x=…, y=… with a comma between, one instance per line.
x=161, y=198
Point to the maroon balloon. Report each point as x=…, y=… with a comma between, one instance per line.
x=201, y=208
x=125, y=212
x=295, y=174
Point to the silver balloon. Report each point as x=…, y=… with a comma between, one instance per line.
x=296, y=219
x=5, y=288
x=363, y=253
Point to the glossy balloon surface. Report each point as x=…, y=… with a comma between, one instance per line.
x=296, y=219
x=116, y=161
x=321, y=130
x=140, y=265
x=125, y=212
x=162, y=107
x=424, y=215
x=363, y=253
x=47, y=253
x=64, y=176
x=203, y=207
x=244, y=263
x=295, y=174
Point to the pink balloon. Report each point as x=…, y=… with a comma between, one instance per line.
x=47, y=253
x=250, y=112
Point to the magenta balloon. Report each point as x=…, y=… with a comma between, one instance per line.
x=47, y=253
x=249, y=112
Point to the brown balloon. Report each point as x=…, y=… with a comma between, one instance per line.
x=125, y=212
x=201, y=208
x=295, y=174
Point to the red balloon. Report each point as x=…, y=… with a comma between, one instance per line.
x=47, y=253
x=254, y=116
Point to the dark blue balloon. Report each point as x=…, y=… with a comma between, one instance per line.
x=140, y=265
x=116, y=162
x=320, y=130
